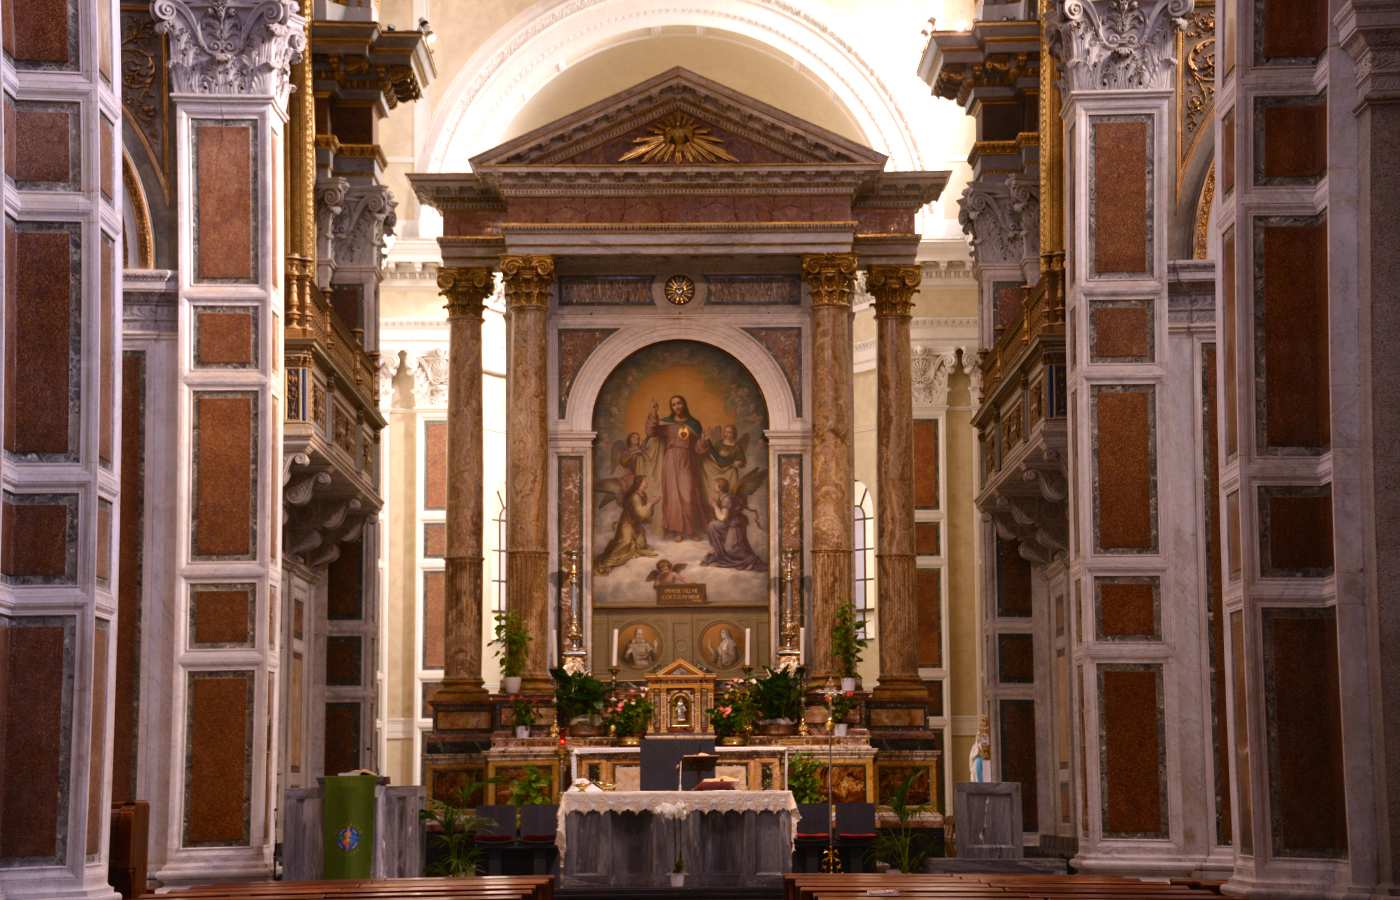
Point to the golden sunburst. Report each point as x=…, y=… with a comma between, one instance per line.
x=680, y=137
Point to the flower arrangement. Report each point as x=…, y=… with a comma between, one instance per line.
x=511, y=642
x=842, y=705
x=628, y=716
x=522, y=711
x=734, y=710
x=846, y=639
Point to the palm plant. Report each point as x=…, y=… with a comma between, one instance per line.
x=896, y=845
x=456, y=841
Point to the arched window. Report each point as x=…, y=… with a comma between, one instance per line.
x=863, y=555
x=498, y=580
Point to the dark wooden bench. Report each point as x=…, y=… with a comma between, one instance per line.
x=504, y=887
x=848, y=886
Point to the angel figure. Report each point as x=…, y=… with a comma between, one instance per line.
x=629, y=539
x=729, y=532
x=728, y=450
x=666, y=573
x=625, y=454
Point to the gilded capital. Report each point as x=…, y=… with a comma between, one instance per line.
x=829, y=275
x=893, y=288
x=466, y=290
x=527, y=279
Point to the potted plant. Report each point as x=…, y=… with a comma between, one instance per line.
x=530, y=789
x=579, y=697
x=778, y=695
x=451, y=841
x=627, y=720
x=842, y=705
x=732, y=716
x=896, y=845
x=804, y=778
x=511, y=642
x=522, y=715
x=678, y=873
x=846, y=644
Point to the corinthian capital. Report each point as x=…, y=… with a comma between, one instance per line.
x=527, y=279
x=232, y=46
x=365, y=220
x=988, y=216
x=466, y=290
x=828, y=276
x=1111, y=45
x=893, y=288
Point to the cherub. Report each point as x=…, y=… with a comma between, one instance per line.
x=728, y=450
x=624, y=455
x=665, y=573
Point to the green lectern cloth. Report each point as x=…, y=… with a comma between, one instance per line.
x=349, y=826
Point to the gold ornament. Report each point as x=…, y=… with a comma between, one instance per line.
x=680, y=137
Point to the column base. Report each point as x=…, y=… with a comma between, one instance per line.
x=900, y=687
x=460, y=690
x=536, y=684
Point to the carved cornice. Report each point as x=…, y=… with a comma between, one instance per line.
x=1370, y=34
x=466, y=290
x=430, y=373
x=893, y=288
x=527, y=279
x=957, y=81
x=243, y=47
x=828, y=276
x=988, y=216
x=1110, y=45
x=929, y=371
x=366, y=218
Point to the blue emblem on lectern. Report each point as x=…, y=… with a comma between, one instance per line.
x=348, y=838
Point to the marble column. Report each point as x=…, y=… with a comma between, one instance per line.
x=828, y=277
x=527, y=281
x=897, y=608
x=466, y=291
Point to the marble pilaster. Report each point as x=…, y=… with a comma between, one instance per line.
x=527, y=283
x=828, y=276
x=893, y=288
x=466, y=291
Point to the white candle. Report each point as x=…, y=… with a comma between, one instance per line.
x=801, y=642
x=553, y=645
x=746, y=646
x=614, y=653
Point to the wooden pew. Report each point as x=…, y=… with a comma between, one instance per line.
x=507, y=887
x=847, y=886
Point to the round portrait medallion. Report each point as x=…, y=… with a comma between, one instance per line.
x=680, y=290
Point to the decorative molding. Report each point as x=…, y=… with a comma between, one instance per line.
x=430, y=373
x=988, y=217
x=1369, y=34
x=330, y=203
x=1110, y=45
x=1195, y=47
x=388, y=368
x=527, y=279
x=359, y=230
x=1025, y=202
x=242, y=47
x=893, y=288
x=1200, y=248
x=930, y=371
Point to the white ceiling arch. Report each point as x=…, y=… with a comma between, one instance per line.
x=479, y=104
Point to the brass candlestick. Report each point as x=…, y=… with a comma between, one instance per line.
x=831, y=861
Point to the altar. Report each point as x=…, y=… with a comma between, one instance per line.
x=633, y=838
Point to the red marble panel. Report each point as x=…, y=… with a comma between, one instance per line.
x=1127, y=609
x=884, y=221
x=343, y=661
x=1015, y=659
x=1010, y=298
x=42, y=142
x=466, y=223
x=1297, y=404
x=926, y=464
x=435, y=540
x=1215, y=565
x=37, y=30
x=225, y=338
x=129, y=578
x=224, y=202
x=103, y=563
x=1294, y=28
x=107, y=347
x=575, y=345
x=222, y=616
x=1227, y=152
x=435, y=465
x=342, y=750
x=1296, y=532
x=1019, y=742
x=598, y=290
x=927, y=590
x=1120, y=197
x=1013, y=580
x=220, y=738
x=570, y=504
x=927, y=540
x=1123, y=445
x=225, y=473
x=1132, y=773
x=1121, y=332
x=434, y=600
x=39, y=315
x=36, y=750
x=754, y=290
x=97, y=813
x=345, y=583
x=1305, y=741
x=1295, y=140
x=35, y=541
x=7, y=106
x=1229, y=343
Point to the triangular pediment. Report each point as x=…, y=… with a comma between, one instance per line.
x=679, y=120
x=679, y=668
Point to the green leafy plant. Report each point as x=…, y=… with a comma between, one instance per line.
x=454, y=842
x=804, y=778
x=896, y=846
x=842, y=705
x=522, y=710
x=735, y=710
x=511, y=642
x=629, y=716
x=779, y=693
x=846, y=642
x=577, y=694
x=531, y=788
x=679, y=867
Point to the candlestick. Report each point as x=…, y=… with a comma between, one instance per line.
x=746, y=646
x=614, y=652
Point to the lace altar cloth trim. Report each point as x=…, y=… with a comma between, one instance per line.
x=672, y=805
